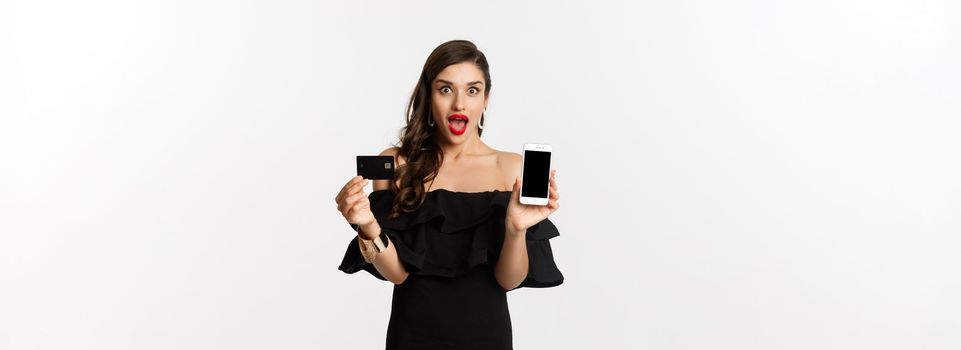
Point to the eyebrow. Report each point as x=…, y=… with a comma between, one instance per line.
x=450, y=83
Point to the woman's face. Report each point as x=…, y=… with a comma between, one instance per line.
x=458, y=101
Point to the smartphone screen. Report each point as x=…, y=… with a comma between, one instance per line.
x=537, y=166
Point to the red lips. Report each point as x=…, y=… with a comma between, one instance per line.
x=457, y=123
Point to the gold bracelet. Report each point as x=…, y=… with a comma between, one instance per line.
x=366, y=249
x=370, y=248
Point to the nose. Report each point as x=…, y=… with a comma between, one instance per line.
x=459, y=102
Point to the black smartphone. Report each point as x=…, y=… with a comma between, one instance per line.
x=535, y=184
x=375, y=167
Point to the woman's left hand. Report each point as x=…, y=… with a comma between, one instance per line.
x=520, y=217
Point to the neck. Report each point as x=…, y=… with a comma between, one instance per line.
x=471, y=146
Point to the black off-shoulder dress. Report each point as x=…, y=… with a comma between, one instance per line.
x=450, y=246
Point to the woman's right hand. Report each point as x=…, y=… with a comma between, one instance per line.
x=353, y=204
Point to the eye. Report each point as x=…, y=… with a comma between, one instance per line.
x=473, y=90
x=445, y=89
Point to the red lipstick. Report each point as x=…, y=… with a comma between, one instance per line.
x=457, y=123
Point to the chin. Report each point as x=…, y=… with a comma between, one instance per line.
x=455, y=140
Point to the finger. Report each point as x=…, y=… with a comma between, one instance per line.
x=350, y=183
x=360, y=206
x=553, y=204
x=346, y=200
x=554, y=195
x=516, y=190
x=357, y=187
x=553, y=181
x=350, y=201
x=354, y=189
x=354, y=180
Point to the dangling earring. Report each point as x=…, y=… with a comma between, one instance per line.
x=481, y=124
x=430, y=120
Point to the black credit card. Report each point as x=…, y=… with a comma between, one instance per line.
x=375, y=167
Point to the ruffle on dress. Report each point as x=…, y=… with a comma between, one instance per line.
x=453, y=232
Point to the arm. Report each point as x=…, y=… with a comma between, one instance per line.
x=354, y=204
x=513, y=263
x=387, y=261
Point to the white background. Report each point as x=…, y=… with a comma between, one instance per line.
x=735, y=175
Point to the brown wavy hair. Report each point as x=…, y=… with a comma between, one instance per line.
x=417, y=139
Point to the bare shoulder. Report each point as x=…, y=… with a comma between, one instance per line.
x=511, y=165
x=392, y=151
x=398, y=161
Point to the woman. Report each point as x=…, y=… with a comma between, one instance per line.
x=449, y=230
